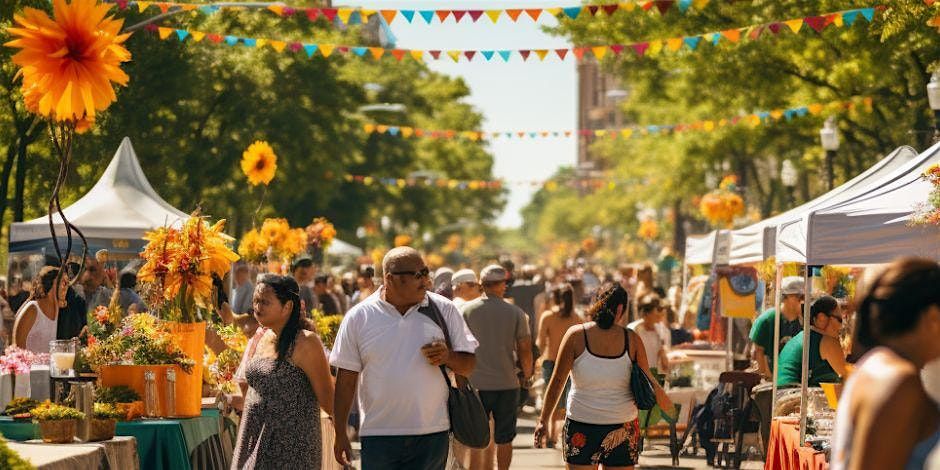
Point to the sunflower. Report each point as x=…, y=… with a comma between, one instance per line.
x=69, y=63
x=259, y=163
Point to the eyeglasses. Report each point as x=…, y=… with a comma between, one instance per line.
x=423, y=273
x=836, y=317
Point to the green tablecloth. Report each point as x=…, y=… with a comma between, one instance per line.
x=161, y=444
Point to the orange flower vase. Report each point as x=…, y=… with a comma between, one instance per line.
x=191, y=338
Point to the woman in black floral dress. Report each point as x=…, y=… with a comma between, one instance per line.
x=289, y=380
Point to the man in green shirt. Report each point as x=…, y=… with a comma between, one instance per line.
x=762, y=332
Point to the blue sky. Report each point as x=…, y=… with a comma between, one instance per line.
x=515, y=95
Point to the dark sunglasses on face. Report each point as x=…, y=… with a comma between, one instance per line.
x=423, y=273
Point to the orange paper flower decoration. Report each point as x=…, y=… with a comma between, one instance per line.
x=402, y=240
x=69, y=63
x=649, y=230
x=259, y=163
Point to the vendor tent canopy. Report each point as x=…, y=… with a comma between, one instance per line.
x=872, y=226
x=114, y=214
x=706, y=249
x=875, y=227
x=756, y=242
x=341, y=248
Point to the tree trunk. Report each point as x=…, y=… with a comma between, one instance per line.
x=678, y=230
x=5, y=179
x=20, y=189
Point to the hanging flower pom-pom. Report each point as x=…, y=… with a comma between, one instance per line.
x=69, y=62
x=259, y=163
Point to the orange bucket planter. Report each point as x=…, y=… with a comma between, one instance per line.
x=191, y=338
x=133, y=377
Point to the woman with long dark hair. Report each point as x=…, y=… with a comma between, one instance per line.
x=885, y=417
x=37, y=319
x=553, y=325
x=601, y=426
x=288, y=381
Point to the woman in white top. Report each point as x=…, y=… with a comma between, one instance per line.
x=885, y=417
x=37, y=319
x=601, y=426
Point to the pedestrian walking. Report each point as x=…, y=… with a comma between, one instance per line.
x=388, y=348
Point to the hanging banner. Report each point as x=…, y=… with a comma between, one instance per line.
x=861, y=104
x=356, y=15
x=690, y=44
x=448, y=183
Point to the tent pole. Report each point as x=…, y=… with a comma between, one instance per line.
x=804, y=379
x=773, y=374
x=729, y=361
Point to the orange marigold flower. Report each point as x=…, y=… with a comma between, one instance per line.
x=259, y=163
x=69, y=62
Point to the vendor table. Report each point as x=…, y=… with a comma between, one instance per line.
x=784, y=451
x=161, y=443
x=119, y=453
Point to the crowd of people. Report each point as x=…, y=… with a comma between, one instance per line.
x=563, y=342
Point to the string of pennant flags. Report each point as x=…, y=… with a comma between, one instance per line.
x=448, y=183
x=753, y=119
x=647, y=48
x=357, y=15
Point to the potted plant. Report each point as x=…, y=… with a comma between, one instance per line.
x=104, y=422
x=123, y=398
x=57, y=424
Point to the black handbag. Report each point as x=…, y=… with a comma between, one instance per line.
x=640, y=383
x=468, y=420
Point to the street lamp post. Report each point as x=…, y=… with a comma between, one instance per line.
x=829, y=136
x=933, y=97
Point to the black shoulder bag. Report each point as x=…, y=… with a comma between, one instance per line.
x=468, y=420
x=640, y=384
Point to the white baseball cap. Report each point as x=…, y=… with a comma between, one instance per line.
x=463, y=275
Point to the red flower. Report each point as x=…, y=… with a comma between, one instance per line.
x=578, y=440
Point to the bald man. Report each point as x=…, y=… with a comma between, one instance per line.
x=393, y=353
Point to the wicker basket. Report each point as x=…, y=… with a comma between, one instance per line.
x=60, y=431
x=101, y=429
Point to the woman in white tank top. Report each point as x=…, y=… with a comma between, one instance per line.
x=601, y=426
x=37, y=319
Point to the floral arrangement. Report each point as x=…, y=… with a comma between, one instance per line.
x=649, y=230
x=720, y=207
x=589, y=245
x=275, y=241
x=107, y=411
x=48, y=411
x=117, y=394
x=142, y=340
x=320, y=234
x=838, y=281
x=327, y=327
x=68, y=65
x=928, y=213
x=179, y=265
x=18, y=361
x=20, y=405
x=222, y=367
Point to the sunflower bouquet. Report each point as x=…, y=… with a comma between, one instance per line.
x=721, y=206
x=275, y=241
x=179, y=265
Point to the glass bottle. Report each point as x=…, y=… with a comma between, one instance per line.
x=170, y=394
x=150, y=394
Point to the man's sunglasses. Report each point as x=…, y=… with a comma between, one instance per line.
x=423, y=273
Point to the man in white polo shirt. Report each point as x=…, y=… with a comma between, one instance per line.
x=393, y=353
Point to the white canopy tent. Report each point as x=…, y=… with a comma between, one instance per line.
x=874, y=227
x=341, y=248
x=114, y=214
x=756, y=242
x=870, y=226
x=710, y=248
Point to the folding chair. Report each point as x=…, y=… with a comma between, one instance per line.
x=735, y=419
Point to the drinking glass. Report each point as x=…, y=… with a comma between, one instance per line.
x=62, y=357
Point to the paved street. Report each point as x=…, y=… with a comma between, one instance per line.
x=526, y=457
